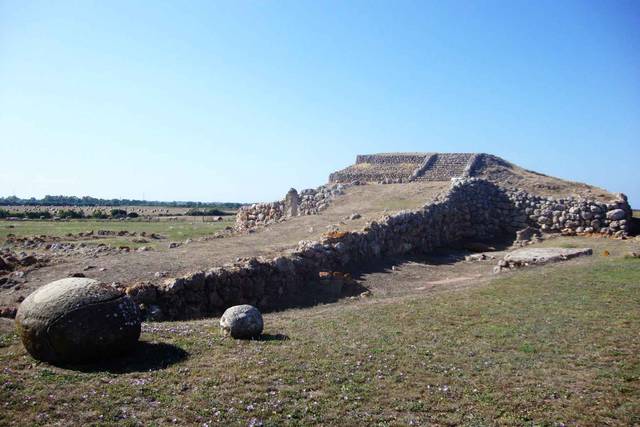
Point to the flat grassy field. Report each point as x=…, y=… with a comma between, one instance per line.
x=546, y=346
x=172, y=230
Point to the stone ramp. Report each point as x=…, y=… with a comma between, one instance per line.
x=444, y=166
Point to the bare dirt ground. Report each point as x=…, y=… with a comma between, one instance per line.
x=370, y=201
x=448, y=270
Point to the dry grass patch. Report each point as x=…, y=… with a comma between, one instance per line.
x=541, y=346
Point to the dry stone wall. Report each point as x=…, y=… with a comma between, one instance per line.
x=308, y=202
x=406, y=167
x=472, y=209
x=391, y=158
x=384, y=168
x=572, y=215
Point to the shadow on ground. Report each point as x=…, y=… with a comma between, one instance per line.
x=146, y=356
x=442, y=256
x=273, y=337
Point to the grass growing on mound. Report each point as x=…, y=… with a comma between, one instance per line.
x=543, y=346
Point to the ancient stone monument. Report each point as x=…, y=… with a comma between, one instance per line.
x=291, y=202
x=406, y=167
x=76, y=320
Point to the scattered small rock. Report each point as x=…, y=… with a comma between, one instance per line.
x=8, y=312
x=479, y=257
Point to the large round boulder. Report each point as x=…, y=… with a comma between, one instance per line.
x=76, y=320
x=242, y=321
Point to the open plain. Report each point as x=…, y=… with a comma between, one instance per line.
x=439, y=341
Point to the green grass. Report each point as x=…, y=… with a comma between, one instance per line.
x=172, y=230
x=636, y=213
x=543, y=346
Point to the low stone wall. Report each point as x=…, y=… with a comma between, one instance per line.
x=309, y=202
x=391, y=158
x=405, y=167
x=259, y=214
x=472, y=209
x=571, y=215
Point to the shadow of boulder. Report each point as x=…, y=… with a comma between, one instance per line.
x=145, y=357
x=273, y=337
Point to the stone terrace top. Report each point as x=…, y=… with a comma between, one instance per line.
x=407, y=167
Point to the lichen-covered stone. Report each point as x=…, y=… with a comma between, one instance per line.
x=76, y=320
x=242, y=321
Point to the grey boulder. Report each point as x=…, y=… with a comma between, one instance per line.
x=77, y=320
x=242, y=321
x=616, y=214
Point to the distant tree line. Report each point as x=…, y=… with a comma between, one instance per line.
x=206, y=212
x=92, y=201
x=69, y=214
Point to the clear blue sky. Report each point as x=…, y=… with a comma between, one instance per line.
x=239, y=101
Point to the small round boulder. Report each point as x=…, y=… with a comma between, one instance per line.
x=77, y=320
x=242, y=321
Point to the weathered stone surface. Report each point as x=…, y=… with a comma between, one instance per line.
x=242, y=321
x=77, y=319
x=388, y=168
x=527, y=234
x=291, y=202
x=529, y=256
x=616, y=214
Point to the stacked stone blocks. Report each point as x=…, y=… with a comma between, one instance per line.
x=406, y=167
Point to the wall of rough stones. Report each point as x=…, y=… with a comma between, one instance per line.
x=391, y=158
x=310, y=202
x=572, y=215
x=472, y=209
x=406, y=167
x=259, y=214
x=384, y=168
